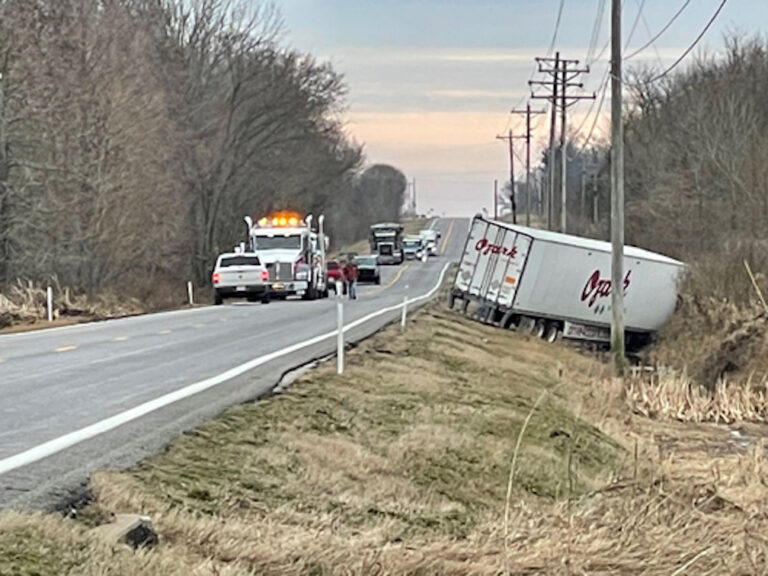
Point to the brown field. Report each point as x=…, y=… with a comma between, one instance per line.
x=455, y=448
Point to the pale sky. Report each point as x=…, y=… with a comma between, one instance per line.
x=431, y=82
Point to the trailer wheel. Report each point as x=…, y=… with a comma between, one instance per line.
x=539, y=329
x=553, y=332
x=506, y=320
x=451, y=301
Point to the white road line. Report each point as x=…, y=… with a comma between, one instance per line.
x=68, y=440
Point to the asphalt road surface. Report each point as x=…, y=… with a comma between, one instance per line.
x=106, y=394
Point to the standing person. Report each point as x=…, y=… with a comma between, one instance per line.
x=350, y=273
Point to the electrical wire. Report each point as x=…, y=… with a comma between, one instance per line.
x=535, y=67
x=597, y=116
x=660, y=32
x=650, y=34
x=595, y=32
x=557, y=28
x=634, y=24
x=692, y=46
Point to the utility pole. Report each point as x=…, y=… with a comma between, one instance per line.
x=583, y=198
x=413, y=198
x=552, y=123
x=617, y=196
x=527, y=138
x=595, y=199
x=563, y=73
x=511, y=139
x=495, y=199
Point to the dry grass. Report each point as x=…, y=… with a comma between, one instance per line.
x=401, y=466
x=668, y=394
x=23, y=304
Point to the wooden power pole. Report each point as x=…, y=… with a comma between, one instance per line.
x=511, y=139
x=563, y=73
x=527, y=137
x=617, y=197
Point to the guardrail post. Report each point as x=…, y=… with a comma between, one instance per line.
x=340, y=336
x=405, y=310
x=190, y=294
x=49, y=303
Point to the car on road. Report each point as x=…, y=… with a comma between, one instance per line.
x=368, y=268
x=430, y=238
x=240, y=275
x=413, y=247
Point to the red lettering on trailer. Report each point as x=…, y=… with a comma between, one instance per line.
x=597, y=287
x=486, y=247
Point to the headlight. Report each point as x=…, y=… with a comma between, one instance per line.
x=302, y=275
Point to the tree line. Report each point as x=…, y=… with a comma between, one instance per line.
x=696, y=168
x=136, y=134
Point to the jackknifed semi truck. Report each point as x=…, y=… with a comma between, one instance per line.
x=557, y=285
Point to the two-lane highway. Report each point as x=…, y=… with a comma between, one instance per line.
x=107, y=394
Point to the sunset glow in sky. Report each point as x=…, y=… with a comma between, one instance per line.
x=431, y=82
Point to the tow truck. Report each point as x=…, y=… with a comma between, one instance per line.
x=293, y=253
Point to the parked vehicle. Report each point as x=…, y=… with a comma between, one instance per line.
x=240, y=275
x=293, y=253
x=387, y=241
x=556, y=284
x=413, y=247
x=430, y=238
x=368, y=268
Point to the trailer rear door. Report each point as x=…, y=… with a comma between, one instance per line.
x=492, y=262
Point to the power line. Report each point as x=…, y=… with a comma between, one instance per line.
x=597, y=116
x=557, y=28
x=692, y=46
x=595, y=32
x=660, y=32
x=593, y=103
x=634, y=24
x=648, y=29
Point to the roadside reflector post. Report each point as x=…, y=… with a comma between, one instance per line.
x=190, y=294
x=340, y=336
x=405, y=310
x=49, y=303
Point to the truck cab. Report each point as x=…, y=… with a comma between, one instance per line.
x=293, y=254
x=413, y=247
x=386, y=240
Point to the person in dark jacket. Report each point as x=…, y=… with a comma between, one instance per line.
x=350, y=275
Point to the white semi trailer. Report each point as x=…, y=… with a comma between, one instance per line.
x=557, y=284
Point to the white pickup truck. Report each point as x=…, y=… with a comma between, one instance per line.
x=240, y=275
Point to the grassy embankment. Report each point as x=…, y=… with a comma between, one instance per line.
x=403, y=465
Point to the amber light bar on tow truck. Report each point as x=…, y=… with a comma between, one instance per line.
x=281, y=220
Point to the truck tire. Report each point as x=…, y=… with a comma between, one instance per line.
x=265, y=300
x=506, y=321
x=539, y=329
x=553, y=332
x=451, y=301
x=217, y=299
